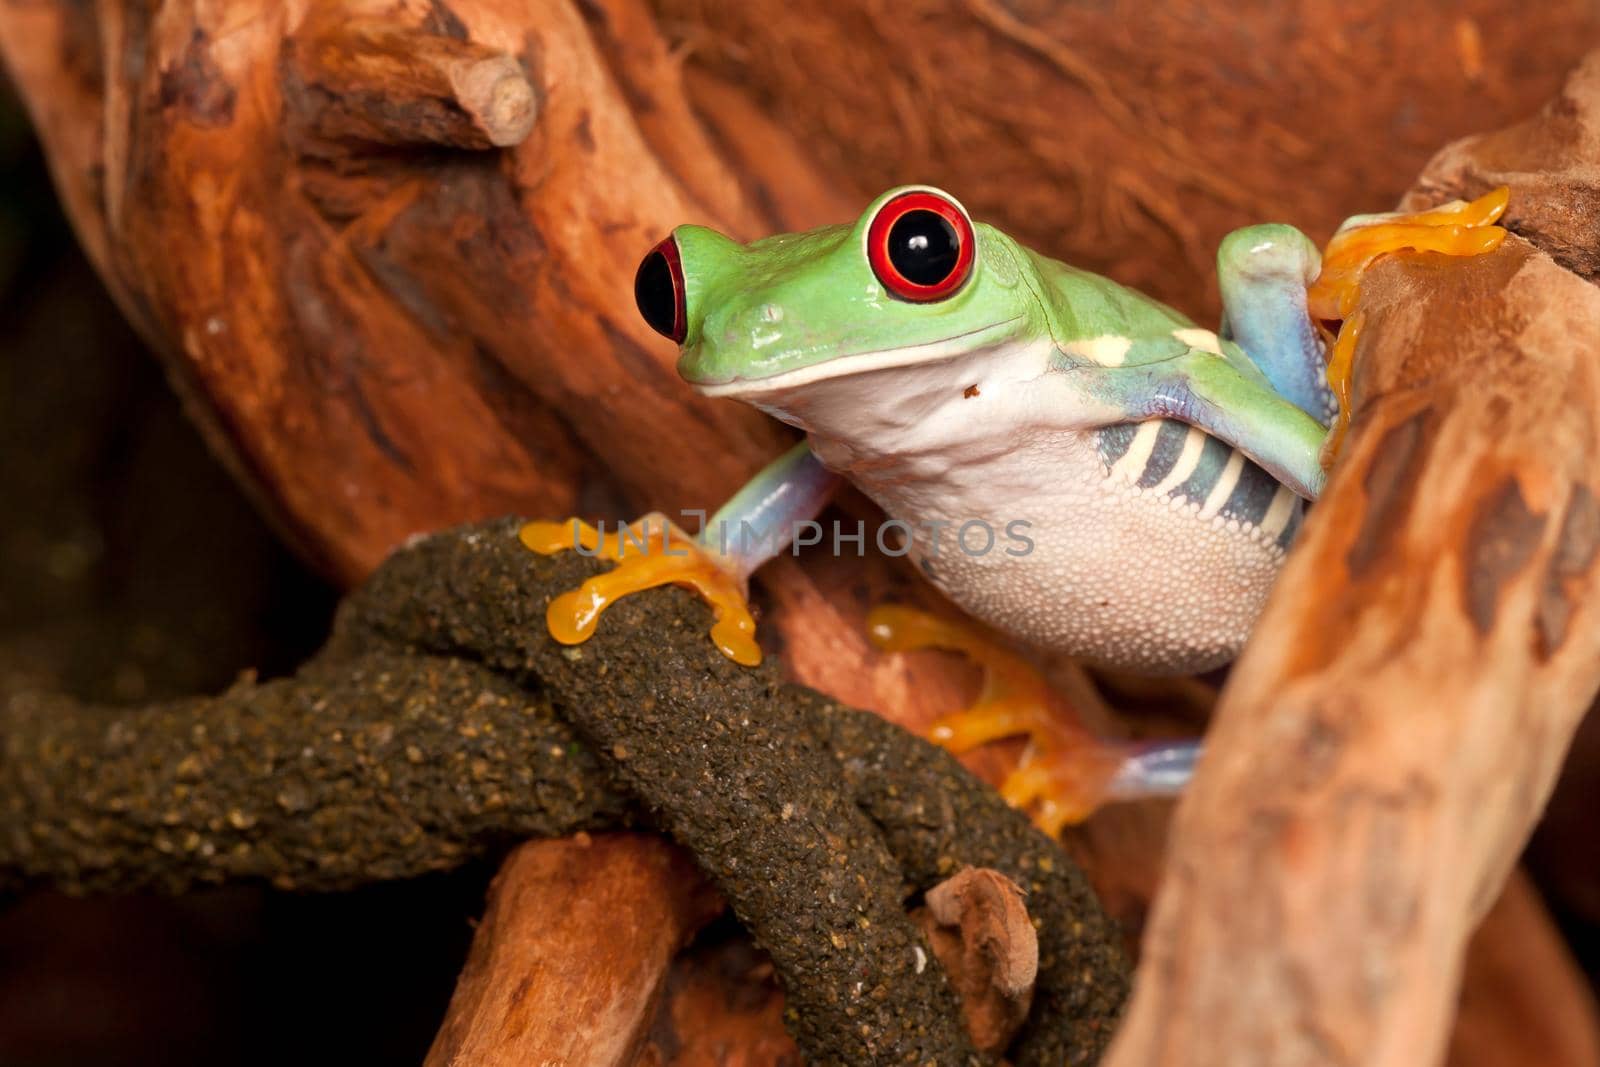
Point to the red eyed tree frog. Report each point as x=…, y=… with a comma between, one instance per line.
x=1075, y=465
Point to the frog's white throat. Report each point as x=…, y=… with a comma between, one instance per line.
x=928, y=412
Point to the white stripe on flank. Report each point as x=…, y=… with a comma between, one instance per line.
x=1204, y=340
x=1225, y=483
x=1193, y=444
x=1107, y=350
x=1131, y=465
x=1278, y=512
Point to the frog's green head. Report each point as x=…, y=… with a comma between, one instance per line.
x=912, y=281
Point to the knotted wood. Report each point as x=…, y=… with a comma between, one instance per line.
x=1391, y=733
x=371, y=82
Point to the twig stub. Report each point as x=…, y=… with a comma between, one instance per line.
x=378, y=84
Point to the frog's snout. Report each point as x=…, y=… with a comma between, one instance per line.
x=658, y=289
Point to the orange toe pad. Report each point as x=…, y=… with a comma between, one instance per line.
x=648, y=553
x=1063, y=774
x=1461, y=228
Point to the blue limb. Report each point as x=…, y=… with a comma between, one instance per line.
x=1223, y=394
x=761, y=519
x=1154, y=769
x=1263, y=272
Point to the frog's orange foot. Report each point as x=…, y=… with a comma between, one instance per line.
x=1459, y=228
x=1066, y=771
x=1063, y=777
x=648, y=553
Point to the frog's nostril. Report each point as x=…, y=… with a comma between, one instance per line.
x=658, y=290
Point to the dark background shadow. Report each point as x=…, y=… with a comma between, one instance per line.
x=132, y=569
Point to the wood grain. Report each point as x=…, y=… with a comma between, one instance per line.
x=1386, y=742
x=534, y=972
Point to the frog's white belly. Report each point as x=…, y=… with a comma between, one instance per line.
x=1153, y=545
x=1164, y=577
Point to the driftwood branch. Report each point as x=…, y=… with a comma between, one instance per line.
x=533, y=971
x=1384, y=746
x=369, y=81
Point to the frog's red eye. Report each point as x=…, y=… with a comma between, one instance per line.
x=658, y=290
x=920, y=246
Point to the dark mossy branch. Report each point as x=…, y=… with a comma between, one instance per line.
x=440, y=721
x=810, y=817
x=934, y=818
x=358, y=770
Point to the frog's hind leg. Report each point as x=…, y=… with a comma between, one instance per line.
x=756, y=524
x=1066, y=772
x=1263, y=272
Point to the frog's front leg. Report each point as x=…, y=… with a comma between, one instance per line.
x=1279, y=294
x=759, y=522
x=1193, y=377
x=1263, y=272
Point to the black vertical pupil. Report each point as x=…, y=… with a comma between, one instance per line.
x=656, y=293
x=923, y=247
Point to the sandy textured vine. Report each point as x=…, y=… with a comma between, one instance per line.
x=436, y=725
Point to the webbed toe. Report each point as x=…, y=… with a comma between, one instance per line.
x=648, y=553
x=1460, y=228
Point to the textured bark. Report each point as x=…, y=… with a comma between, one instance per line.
x=369, y=767
x=817, y=811
x=369, y=82
x=1386, y=742
x=1129, y=137
x=1548, y=161
x=532, y=972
